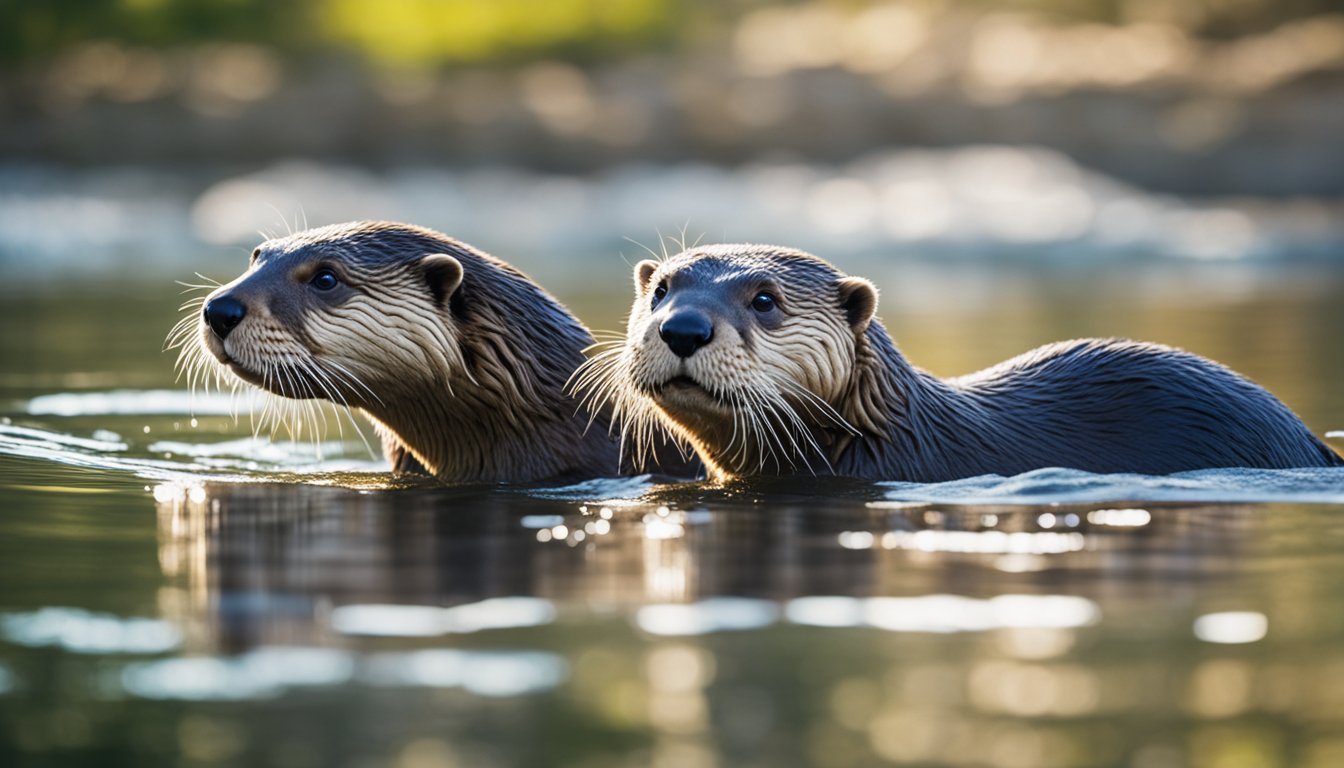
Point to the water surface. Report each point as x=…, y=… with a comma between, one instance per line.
x=177, y=591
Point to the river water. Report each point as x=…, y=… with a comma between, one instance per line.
x=174, y=590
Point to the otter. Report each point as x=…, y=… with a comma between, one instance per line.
x=459, y=359
x=768, y=361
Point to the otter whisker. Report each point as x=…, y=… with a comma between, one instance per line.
x=745, y=404
x=592, y=383
x=603, y=338
x=773, y=417
x=307, y=407
x=596, y=371
x=764, y=429
x=813, y=400
x=326, y=382
x=348, y=376
x=655, y=255
x=794, y=422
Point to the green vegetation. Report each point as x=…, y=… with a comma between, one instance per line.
x=38, y=29
x=428, y=31
x=431, y=32
x=396, y=32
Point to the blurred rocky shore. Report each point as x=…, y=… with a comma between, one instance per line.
x=929, y=132
x=1146, y=103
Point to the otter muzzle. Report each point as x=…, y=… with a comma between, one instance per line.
x=686, y=331
x=223, y=314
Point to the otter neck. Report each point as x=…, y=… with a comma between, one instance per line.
x=769, y=445
x=916, y=427
x=463, y=437
x=504, y=415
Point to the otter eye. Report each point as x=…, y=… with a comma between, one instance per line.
x=255, y=253
x=659, y=293
x=763, y=302
x=324, y=280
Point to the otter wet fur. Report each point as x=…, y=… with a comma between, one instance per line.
x=770, y=361
x=459, y=359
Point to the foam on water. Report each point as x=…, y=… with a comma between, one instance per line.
x=1062, y=486
x=279, y=462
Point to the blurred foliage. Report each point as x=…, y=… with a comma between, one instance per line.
x=36, y=29
x=425, y=32
x=390, y=31
x=1205, y=18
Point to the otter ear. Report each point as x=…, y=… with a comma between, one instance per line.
x=858, y=298
x=443, y=273
x=643, y=271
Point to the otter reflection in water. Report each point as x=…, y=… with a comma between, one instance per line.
x=459, y=359
x=769, y=360
x=263, y=564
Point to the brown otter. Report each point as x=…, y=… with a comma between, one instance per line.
x=768, y=360
x=459, y=359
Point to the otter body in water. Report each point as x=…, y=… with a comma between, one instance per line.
x=770, y=361
x=459, y=359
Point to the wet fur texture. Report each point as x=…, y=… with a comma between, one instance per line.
x=459, y=359
x=816, y=385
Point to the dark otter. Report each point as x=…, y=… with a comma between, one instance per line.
x=770, y=361
x=459, y=359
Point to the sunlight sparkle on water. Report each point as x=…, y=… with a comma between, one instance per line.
x=927, y=613
x=270, y=672
x=1120, y=518
x=80, y=631
x=165, y=493
x=664, y=523
x=953, y=613
x=541, y=521
x=982, y=542
x=719, y=614
x=485, y=673
x=1231, y=627
x=263, y=673
x=136, y=403
x=428, y=621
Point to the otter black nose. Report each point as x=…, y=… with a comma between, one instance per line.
x=224, y=314
x=686, y=332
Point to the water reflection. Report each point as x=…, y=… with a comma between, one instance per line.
x=78, y=631
x=270, y=672
x=774, y=623
x=248, y=566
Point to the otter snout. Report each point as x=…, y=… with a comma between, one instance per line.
x=223, y=314
x=686, y=331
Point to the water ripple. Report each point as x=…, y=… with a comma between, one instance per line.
x=1052, y=486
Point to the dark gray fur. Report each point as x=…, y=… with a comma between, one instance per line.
x=1100, y=405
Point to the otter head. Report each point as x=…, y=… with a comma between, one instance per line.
x=749, y=352
x=351, y=313
x=458, y=358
